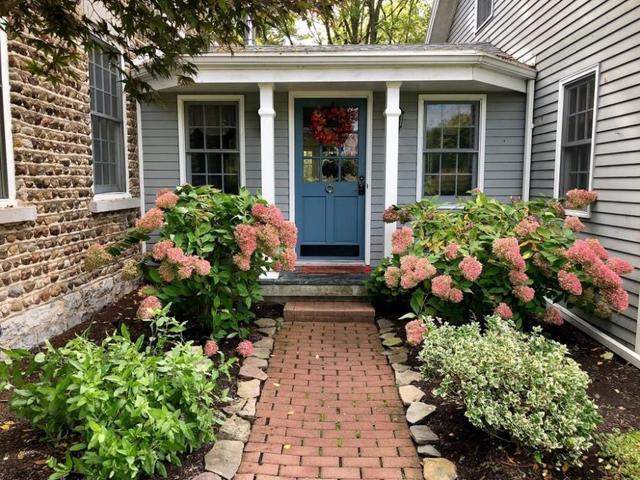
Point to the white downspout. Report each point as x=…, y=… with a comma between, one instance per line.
x=528, y=139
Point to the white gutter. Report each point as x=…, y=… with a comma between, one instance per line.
x=528, y=139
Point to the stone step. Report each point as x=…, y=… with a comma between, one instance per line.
x=290, y=286
x=327, y=311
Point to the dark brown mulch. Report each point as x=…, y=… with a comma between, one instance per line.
x=478, y=456
x=24, y=450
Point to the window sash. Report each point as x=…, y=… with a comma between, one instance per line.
x=107, y=126
x=457, y=176
x=216, y=155
x=484, y=9
x=578, y=115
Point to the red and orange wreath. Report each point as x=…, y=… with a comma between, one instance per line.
x=332, y=125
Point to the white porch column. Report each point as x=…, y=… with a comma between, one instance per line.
x=267, y=149
x=392, y=125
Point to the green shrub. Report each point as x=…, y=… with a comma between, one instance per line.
x=211, y=250
x=491, y=257
x=125, y=410
x=624, y=451
x=514, y=383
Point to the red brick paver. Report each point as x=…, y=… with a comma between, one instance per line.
x=329, y=409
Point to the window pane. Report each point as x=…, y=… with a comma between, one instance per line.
x=228, y=114
x=310, y=147
x=215, y=180
x=197, y=180
x=432, y=163
x=231, y=184
x=465, y=162
x=450, y=116
x=196, y=138
x=229, y=141
x=464, y=184
x=448, y=185
x=431, y=185
x=448, y=163
x=434, y=138
x=195, y=115
x=214, y=163
x=212, y=114
x=231, y=163
x=213, y=139
x=197, y=163
x=484, y=8
x=467, y=139
x=311, y=166
x=329, y=169
x=350, y=147
x=349, y=170
x=467, y=116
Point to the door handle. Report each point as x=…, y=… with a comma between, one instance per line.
x=329, y=189
x=362, y=185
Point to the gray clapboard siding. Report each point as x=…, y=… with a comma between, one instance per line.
x=561, y=38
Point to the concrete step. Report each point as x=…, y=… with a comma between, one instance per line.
x=328, y=311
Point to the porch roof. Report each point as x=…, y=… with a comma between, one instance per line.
x=479, y=63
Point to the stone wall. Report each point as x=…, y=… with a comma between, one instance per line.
x=43, y=285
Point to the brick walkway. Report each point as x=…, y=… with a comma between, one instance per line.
x=330, y=409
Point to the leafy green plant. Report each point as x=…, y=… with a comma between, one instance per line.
x=623, y=449
x=511, y=383
x=124, y=409
x=211, y=251
x=490, y=257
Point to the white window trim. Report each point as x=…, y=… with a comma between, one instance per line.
x=595, y=69
x=10, y=210
x=182, y=135
x=10, y=201
x=487, y=20
x=112, y=201
x=482, y=122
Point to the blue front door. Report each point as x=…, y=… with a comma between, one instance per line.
x=330, y=140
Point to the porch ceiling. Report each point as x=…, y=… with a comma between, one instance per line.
x=423, y=67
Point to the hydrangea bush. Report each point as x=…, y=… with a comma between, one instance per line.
x=211, y=250
x=490, y=257
x=509, y=382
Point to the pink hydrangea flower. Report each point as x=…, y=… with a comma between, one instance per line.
x=148, y=307
x=603, y=276
x=441, y=286
x=414, y=270
x=524, y=293
x=269, y=239
x=455, y=295
x=470, y=267
x=175, y=255
x=245, y=348
x=597, y=248
x=288, y=259
x=574, y=223
x=508, y=249
x=570, y=282
x=167, y=200
x=451, y=251
x=210, y=348
x=503, y=310
x=146, y=291
x=392, y=276
x=619, y=266
x=160, y=249
x=552, y=316
x=617, y=298
x=526, y=227
x=401, y=240
x=578, y=198
x=152, y=220
x=581, y=252
x=289, y=234
x=517, y=277
x=415, y=330
x=185, y=271
x=269, y=214
x=201, y=266
x=243, y=262
x=246, y=238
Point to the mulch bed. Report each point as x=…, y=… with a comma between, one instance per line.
x=615, y=387
x=24, y=451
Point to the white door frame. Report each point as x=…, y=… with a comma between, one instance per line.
x=364, y=94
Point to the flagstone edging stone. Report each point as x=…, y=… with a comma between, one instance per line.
x=223, y=459
x=434, y=466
